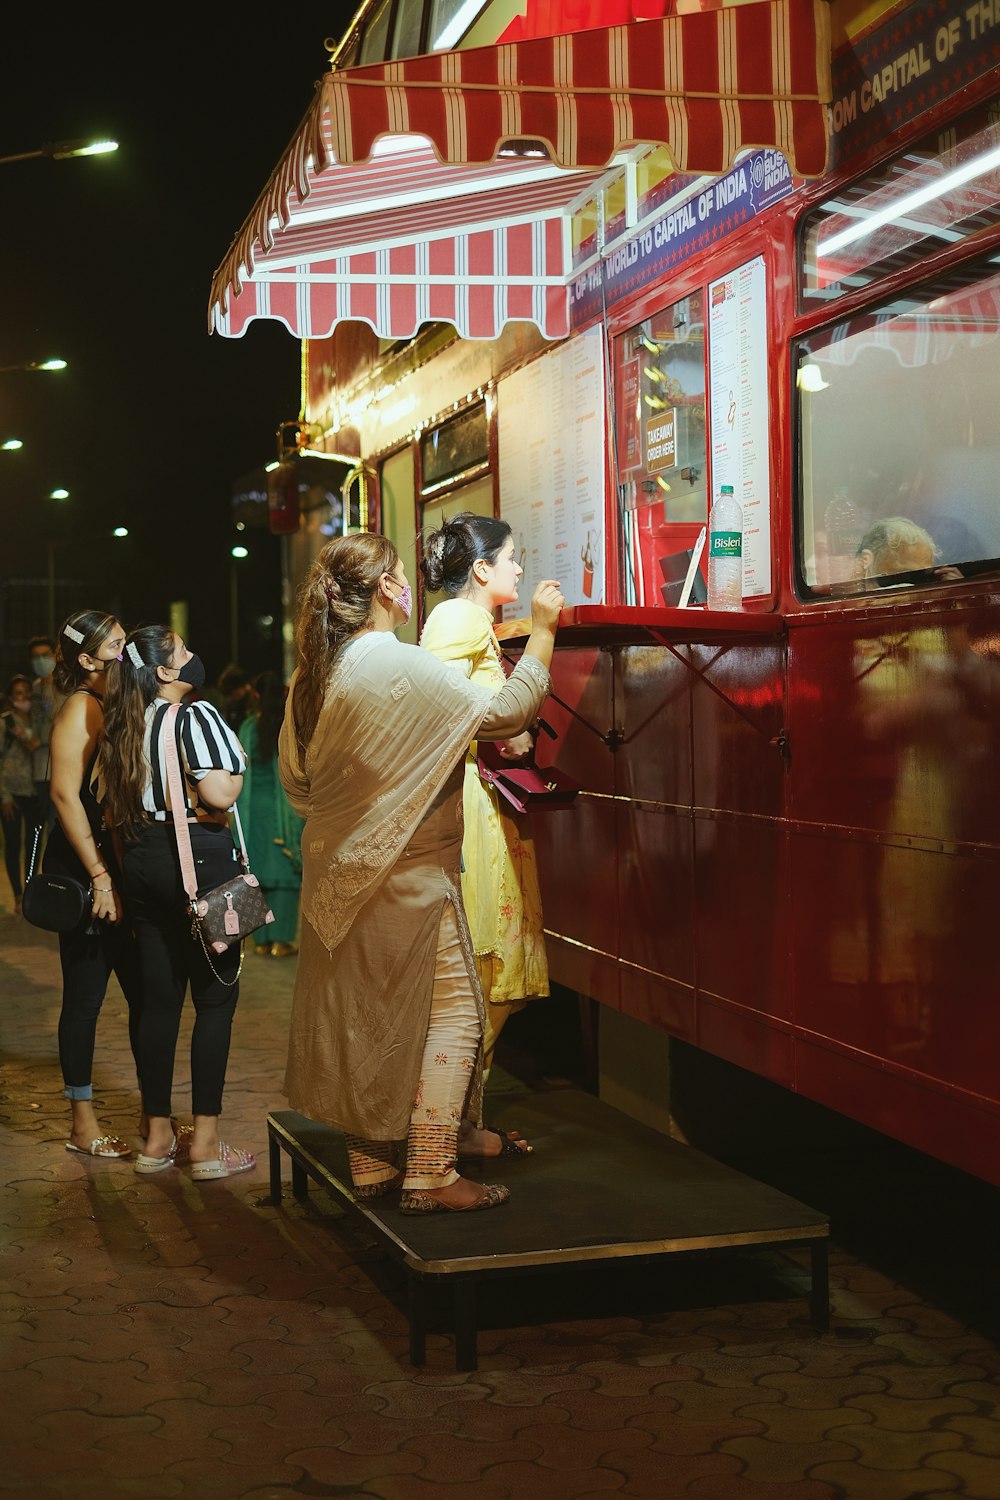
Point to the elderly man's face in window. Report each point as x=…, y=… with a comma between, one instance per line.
x=903, y=557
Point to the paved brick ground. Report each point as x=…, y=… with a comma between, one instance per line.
x=163, y=1339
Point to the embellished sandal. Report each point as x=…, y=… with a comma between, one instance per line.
x=413, y=1202
x=229, y=1161
x=378, y=1189
x=103, y=1145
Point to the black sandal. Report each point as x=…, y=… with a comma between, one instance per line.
x=512, y=1144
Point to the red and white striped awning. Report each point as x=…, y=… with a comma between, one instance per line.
x=393, y=205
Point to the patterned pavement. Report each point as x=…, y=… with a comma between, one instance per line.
x=167, y=1339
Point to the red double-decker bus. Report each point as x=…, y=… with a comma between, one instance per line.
x=786, y=853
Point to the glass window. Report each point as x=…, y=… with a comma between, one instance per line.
x=406, y=32
x=898, y=441
x=940, y=191
x=374, y=43
x=660, y=388
x=660, y=441
x=450, y=20
x=458, y=445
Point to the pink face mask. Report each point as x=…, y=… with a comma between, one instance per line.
x=405, y=600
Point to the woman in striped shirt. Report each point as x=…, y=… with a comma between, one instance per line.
x=158, y=670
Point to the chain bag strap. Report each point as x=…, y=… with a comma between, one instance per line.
x=229, y=912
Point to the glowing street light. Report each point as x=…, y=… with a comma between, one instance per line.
x=240, y=552
x=59, y=494
x=120, y=531
x=34, y=364
x=11, y=445
x=60, y=150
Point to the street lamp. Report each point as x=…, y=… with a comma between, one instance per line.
x=59, y=494
x=237, y=554
x=35, y=364
x=60, y=150
x=11, y=445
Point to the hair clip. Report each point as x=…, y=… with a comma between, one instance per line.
x=133, y=654
x=74, y=635
x=329, y=593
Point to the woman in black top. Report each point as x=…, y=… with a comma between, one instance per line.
x=158, y=670
x=80, y=847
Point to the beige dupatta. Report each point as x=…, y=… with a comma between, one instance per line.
x=395, y=721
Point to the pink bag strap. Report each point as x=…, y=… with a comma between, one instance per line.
x=179, y=804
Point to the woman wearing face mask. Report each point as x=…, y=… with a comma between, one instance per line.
x=386, y=1028
x=18, y=802
x=158, y=670
x=46, y=701
x=471, y=559
x=79, y=846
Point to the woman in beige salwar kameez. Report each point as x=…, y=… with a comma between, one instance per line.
x=387, y=1017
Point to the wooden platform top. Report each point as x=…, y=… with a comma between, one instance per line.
x=598, y=1185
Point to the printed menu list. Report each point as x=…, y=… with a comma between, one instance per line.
x=737, y=323
x=550, y=434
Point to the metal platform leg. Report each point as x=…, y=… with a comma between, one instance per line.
x=417, y=1294
x=465, y=1323
x=300, y=1181
x=274, y=1165
x=819, y=1292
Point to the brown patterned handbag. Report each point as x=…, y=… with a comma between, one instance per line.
x=231, y=911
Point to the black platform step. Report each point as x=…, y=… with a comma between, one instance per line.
x=597, y=1186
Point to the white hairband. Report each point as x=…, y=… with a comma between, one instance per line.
x=133, y=654
x=74, y=635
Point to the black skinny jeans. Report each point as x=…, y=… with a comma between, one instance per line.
x=171, y=959
x=88, y=958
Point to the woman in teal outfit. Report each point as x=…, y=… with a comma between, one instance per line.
x=273, y=831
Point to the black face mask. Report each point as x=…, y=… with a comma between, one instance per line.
x=193, y=672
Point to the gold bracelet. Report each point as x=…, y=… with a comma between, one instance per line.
x=103, y=890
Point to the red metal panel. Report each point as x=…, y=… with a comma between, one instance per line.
x=747, y=1039
x=655, y=845
x=740, y=899
x=736, y=766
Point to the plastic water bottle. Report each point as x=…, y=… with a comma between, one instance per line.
x=725, y=552
x=843, y=535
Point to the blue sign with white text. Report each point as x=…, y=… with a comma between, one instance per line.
x=763, y=178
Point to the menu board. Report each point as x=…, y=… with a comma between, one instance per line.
x=737, y=332
x=550, y=435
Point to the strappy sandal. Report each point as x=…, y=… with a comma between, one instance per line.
x=512, y=1144
x=413, y=1202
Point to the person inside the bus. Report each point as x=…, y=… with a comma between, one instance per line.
x=895, y=547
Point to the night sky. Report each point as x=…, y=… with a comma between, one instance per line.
x=108, y=262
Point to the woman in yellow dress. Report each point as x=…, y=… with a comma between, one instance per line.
x=471, y=559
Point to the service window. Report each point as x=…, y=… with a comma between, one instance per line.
x=899, y=445
x=660, y=442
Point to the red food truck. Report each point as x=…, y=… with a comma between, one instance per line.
x=755, y=245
